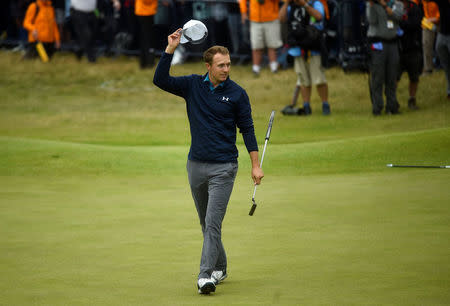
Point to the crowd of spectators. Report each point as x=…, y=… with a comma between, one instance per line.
x=399, y=35
x=117, y=26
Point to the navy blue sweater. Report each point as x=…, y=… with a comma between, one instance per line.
x=213, y=115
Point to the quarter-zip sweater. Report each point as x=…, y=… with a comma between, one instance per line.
x=213, y=114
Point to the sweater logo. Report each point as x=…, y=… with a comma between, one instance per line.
x=225, y=99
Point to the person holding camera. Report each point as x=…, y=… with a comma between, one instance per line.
x=384, y=55
x=305, y=37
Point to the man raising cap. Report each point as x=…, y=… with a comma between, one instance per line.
x=215, y=107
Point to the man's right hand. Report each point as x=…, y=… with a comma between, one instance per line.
x=173, y=40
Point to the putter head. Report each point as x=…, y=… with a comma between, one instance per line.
x=252, y=210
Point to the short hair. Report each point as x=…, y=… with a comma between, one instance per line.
x=209, y=54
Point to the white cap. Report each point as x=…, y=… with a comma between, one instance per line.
x=194, y=31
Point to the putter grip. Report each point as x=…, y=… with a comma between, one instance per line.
x=269, y=128
x=252, y=210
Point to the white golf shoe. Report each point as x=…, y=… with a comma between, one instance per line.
x=206, y=285
x=218, y=276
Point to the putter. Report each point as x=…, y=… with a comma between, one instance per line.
x=416, y=166
x=269, y=129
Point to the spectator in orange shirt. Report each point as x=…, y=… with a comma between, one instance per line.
x=145, y=11
x=40, y=22
x=431, y=12
x=443, y=38
x=265, y=30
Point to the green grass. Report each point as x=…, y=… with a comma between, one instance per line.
x=95, y=207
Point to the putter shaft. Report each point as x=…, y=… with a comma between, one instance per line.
x=269, y=129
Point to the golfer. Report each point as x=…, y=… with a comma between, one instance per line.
x=215, y=107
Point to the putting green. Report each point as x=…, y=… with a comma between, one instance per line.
x=85, y=224
x=95, y=207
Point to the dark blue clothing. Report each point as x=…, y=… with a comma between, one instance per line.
x=444, y=11
x=213, y=114
x=411, y=40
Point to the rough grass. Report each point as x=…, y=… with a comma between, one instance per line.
x=113, y=102
x=95, y=206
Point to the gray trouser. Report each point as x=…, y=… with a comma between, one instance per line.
x=384, y=72
x=443, y=50
x=211, y=186
x=428, y=39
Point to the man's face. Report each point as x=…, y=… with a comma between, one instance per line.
x=219, y=69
